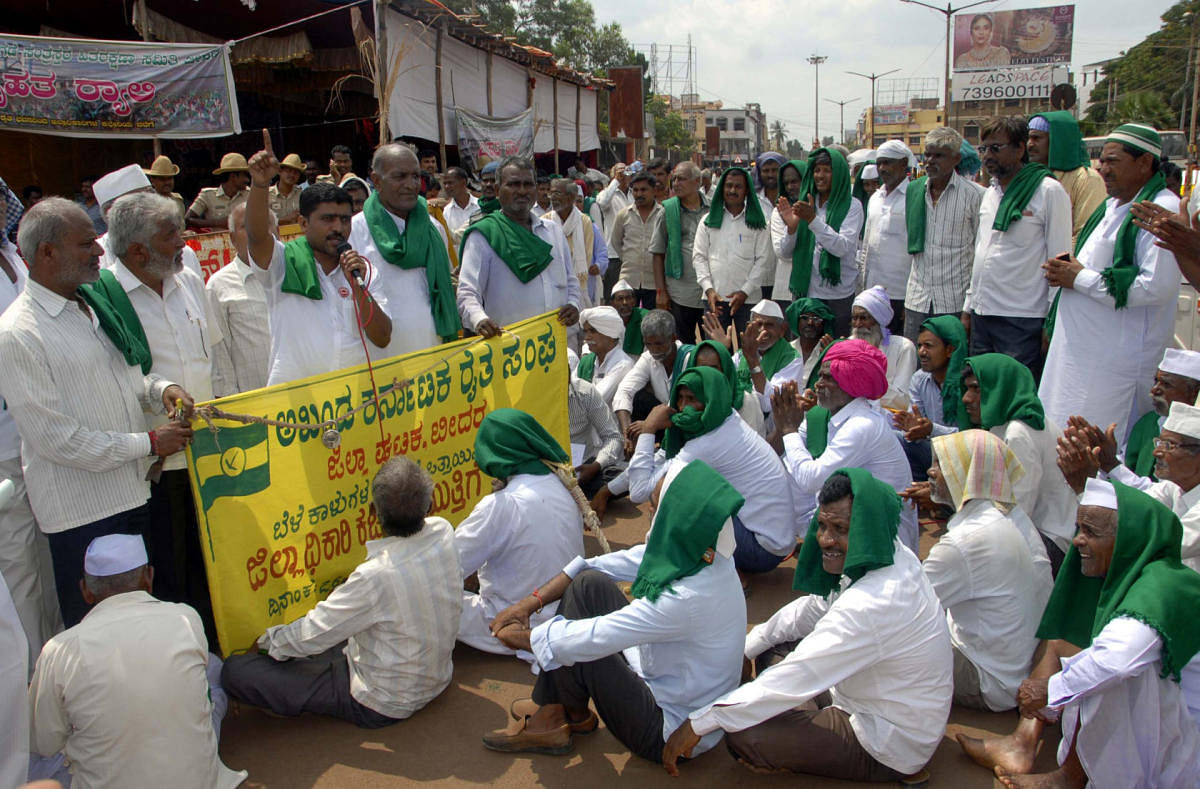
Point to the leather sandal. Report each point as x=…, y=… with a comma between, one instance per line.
x=555, y=743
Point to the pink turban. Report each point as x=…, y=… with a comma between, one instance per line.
x=859, y=368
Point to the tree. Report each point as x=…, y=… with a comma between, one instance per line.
x=670, y=131
x=778, y=135
x=1145, y=106
x=795, y=150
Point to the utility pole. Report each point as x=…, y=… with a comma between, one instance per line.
x=872, y=76
x=841, y=116
x=817, y=60
x=948, y=11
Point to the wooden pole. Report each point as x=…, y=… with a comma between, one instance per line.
x=554, y=87
x=146, y=37
x=528, y=87
x=381, y=70
x=578, y=136
x=489, y=81
x=437, y=70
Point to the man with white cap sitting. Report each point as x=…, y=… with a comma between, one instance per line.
x=885, y=238
x=130, y=693
x=764, y=353
x=212, y=205
x=128, y=180
x=603, y=363
x=870, y=318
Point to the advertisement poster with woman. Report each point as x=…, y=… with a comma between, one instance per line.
x=1025, y=37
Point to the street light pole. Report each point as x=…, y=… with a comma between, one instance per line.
x=817, y=60
x=948, y=11
x=872, y=76
x=841, y=116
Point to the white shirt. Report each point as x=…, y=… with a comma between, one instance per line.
x=399, y=611
x=879, y=646
x=518, y=537
x=841, y=243
x=688, y=642
x=1185, y=505
x=78, y=406
x=1007, y=278
x=14, y=701
x=611, y=200
x=238, y=305
x=180, y=331
x=731, y=257
x=10, y=439
x=487, y=287
x=1042, y=492
x=941, y=274
x=314, y=336
x=457, y=216
x=994, y=595
x=406, y=290
x=860, y=435
x=607, y=375
x=901, y=364
x=885, y=241
x=125, y=694
x=749, y=464
x=593, y=425
x=645, y=370
x=190, y=261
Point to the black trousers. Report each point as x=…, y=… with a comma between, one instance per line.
x=68, y=547
x=173, y=542
x=687, y=319
x=1020, y=338
x=841, y=314
x=623, y=699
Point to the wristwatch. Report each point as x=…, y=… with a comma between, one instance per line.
x=756, y=370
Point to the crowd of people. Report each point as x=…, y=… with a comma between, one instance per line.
x=804, y=360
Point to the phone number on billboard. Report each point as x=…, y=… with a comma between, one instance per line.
x=983, y=92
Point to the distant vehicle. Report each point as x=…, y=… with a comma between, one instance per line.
x=1174, y=146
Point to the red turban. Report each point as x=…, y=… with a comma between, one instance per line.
x=859, y=368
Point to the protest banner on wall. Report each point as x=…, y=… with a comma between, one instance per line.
x=482, y=138
x=214, y=250
x=284, y=520
x=78, y=87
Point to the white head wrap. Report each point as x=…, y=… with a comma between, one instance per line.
x=114, y=554
x=1183, y=419
x=875, y=301
x=894, y=149
x=1179, y=362
x=1098, y=493
x=120, y=182
x=860, y=156
x=870, y=173
x=767, y=309
x=605, y=320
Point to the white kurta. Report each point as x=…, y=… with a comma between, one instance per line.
x=1102, y=360
x=609, y=373
x=901, y=364
x=1043, y=491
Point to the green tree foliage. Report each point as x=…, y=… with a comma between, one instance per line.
x=778, y=135
x=795, y=150
x=670, y=130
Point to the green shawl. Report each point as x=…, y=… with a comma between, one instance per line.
x=836, y=209
x=513, y=442
x=118, y=319
x=489, y=205
x=419, y=246
x=683, y=355
x=816, y=421
x=801, y=167
x=806, y=306
x=1006, y=391
x=949, y=329
x=587, y=367
x=727, y=368
x=1019, y=192
x=673, y=224
x=1145, y=581
x=1139, y=450
x=753, y=209
x=525, y=254
x=300, y=270
x=874, y=520
x=711, y=388
x=1067, y=151
x=683, y=537
x=633, y=343
x=914, y=214
x=774, y=359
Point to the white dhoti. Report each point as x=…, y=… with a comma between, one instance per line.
x=26, y=566
x=474, y=629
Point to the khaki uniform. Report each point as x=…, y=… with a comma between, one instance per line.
x=284, y=205
x=213, y=206
x=182, y=206
x=328, y=179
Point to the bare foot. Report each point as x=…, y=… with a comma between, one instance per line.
x=1012, y=753
x=1054, y=780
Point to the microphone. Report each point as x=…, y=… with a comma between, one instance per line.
x=342, y=249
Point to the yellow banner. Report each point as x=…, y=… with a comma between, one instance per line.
x=284, y=520
x=214, y=250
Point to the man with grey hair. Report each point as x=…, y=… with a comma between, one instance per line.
x=580, y=235
x=238, y=302
x=171, y=308
x=130, y=179
x=649, y=381
x=398, y=614
x=675, y=285
x=77, y=396
x=131, y=693
x=943, y=246
x=514, y=264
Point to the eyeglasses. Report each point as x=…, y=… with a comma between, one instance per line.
x=1170, y=445
x=995, y=148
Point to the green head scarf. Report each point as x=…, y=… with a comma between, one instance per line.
x=711, y=388
x=513, y=442
x=728, y=369
x=808, y=306
x=1006, y=391
x=1067, y=151
x=1145, y=581
x=689, y=519
x=874, y=521
x=716, y=212
x=836, y=209
x=949, y=329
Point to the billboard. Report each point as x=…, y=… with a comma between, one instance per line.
x=1003, y=83
x=1025, y=37
x=890, y=114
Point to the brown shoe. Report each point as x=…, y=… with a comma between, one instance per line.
x=522, y=709
x=555, y=743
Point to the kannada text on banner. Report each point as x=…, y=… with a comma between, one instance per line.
x=215, y=250
x=284, y=520
x=88, y=88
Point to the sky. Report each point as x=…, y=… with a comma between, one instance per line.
x=757, y=50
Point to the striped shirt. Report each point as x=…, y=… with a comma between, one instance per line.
x=941, y=274
x=78, y=407
x=592, y=424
